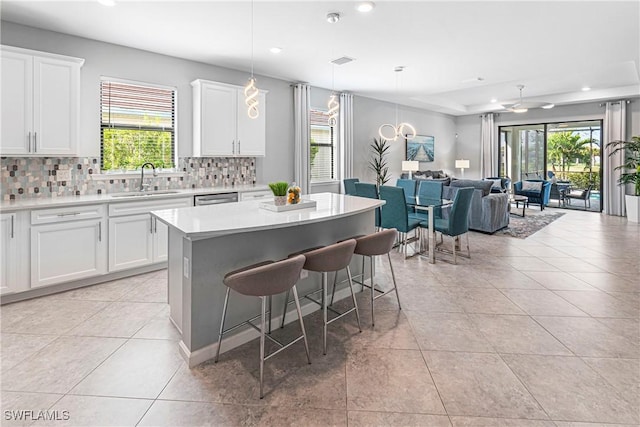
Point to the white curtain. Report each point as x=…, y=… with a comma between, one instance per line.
x=488, y=146
x=301, y=131
x=346, y=135
x=615, y=125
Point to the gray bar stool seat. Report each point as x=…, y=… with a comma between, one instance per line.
x=373, y=245
x=264, y=280
x=328, y=259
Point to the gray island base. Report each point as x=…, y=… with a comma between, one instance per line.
x=206, y=242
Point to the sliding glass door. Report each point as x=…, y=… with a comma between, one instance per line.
x=567, y=154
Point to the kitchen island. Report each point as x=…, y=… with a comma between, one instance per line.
x=206, y=242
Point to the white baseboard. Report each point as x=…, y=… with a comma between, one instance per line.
x=231, y=341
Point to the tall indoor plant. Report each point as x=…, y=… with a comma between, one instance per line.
x=630, y=173
x=378, y=163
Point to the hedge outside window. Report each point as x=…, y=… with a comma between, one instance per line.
x=322, y=151
x=137, y=125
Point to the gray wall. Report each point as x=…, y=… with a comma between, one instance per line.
x=369, y=114
x=104, y=59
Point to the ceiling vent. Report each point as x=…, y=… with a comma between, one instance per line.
x=342, y=61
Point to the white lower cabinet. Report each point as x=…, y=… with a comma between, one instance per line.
x=130, y=242
x=135, y=238
x=8, y=253
x=67, y=244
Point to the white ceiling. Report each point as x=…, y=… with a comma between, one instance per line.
x=554, y=48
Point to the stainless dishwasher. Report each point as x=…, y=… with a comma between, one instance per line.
x=215, y=199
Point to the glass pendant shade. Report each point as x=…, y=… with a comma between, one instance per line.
x=333, y=108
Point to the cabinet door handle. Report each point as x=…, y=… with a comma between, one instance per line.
x=69, y=213
x=238, y=146
x=233, y=147
x=151, y=225
x=100, y=231
x=12, y=217
x=29, y=142
x=35, y=142
x=155, y=225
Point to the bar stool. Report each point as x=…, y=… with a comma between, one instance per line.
x=328, y=259
x=264, y=280
x=373, y=245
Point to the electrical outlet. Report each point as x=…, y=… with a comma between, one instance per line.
x=63, y=175
x=185, y=267
x=304, y=274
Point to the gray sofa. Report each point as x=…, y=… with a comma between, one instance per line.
x=489, y=211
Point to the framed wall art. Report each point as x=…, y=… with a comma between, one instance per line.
x=421, y=148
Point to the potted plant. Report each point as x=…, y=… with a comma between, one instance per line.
x=630, y=173
x=279, y=190
x=378, y=163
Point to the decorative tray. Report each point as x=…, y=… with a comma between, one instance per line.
x=304, y=204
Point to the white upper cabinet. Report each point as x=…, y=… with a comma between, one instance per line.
x=40, y=103
x=221, y=126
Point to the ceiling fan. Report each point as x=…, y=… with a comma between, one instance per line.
x=523, y=107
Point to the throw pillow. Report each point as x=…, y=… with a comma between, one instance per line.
x=533, y=186
x=497, y=183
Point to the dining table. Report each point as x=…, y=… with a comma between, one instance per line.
x=429, y=205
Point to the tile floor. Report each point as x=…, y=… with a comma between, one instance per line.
x=536, y=332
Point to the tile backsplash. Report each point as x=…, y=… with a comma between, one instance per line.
x=24, y=177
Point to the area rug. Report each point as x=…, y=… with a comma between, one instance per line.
x=533, y=221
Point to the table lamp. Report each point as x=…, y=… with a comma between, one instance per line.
x=410, y=166
x=462, y=165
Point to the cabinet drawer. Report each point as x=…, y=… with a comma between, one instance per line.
x=72, y=213
x=256, y=195
x=145, y=206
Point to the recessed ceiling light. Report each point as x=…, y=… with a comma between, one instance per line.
x=333, y=17
x=548, y=106
x=586, y=88
x=275, y=50
x=109, y=3
x=493, y=100
x=365, y=6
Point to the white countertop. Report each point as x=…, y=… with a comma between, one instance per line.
x=217, y=220
x=51, y=202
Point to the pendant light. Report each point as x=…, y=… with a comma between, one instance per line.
x=392, y=132
x=250, y=90
x=333, y=106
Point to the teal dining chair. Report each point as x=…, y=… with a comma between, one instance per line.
x=394, y=214
x=349, y=186
x=432, y=190
x=370, y=191
x=409, y=186
x=457, y=223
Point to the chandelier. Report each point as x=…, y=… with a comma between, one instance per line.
x=392, y=132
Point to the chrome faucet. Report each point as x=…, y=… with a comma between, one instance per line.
x=144, y=186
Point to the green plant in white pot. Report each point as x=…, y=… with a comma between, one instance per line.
x=630, y=173
x=279, y=190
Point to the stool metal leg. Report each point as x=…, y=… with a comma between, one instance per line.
x=224, y=313
x=262, y=332
x=393, y=276
x=353, y=297
x=304, y=332
x=270, y=306
x=324, y=311
x=373, y=320
x=284, y=311
x=333, y=290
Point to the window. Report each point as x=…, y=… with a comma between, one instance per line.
x=137, y=125
x=322, y=151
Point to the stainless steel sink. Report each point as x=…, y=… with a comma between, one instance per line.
x=145, y=193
